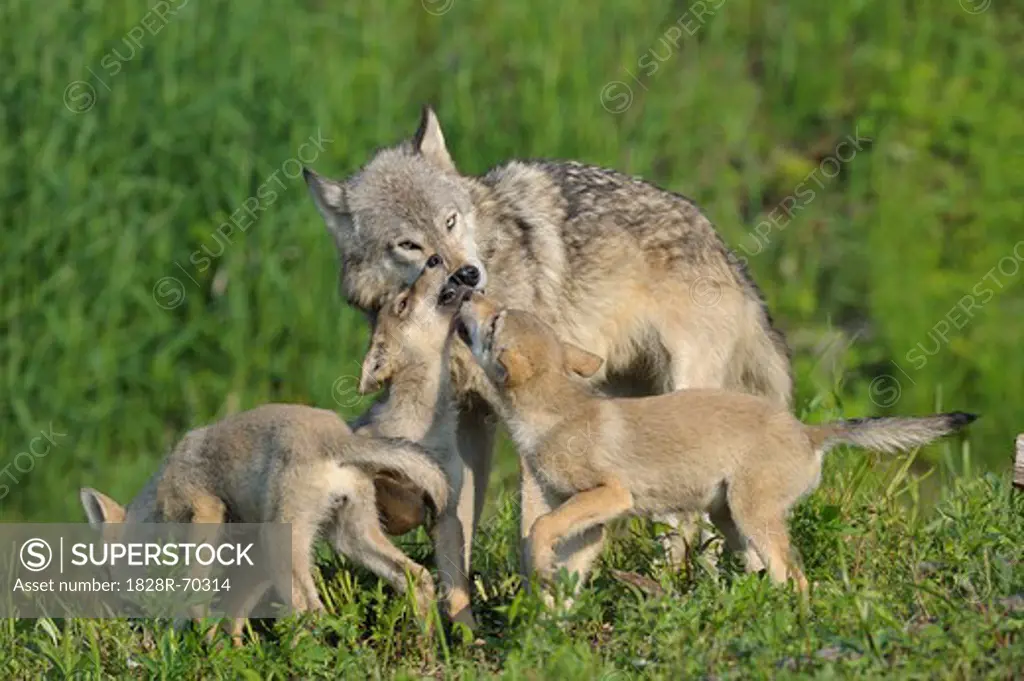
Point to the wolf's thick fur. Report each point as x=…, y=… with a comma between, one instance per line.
x=287, y=463
x=635, y=273
x=409, y=355
x=744, y=459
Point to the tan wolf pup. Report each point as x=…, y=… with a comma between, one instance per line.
x=409, y=356
x=630, y=271
x=743, y=459
x=286, y=463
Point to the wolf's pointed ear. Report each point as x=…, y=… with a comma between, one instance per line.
x=580, y=361
x=329, y=197
x=99, y=508
x=429, y=141
x=376, y=369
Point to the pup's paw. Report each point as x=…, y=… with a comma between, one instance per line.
x=425, y=598
x=542, y=559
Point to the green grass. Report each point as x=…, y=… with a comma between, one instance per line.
x=899, y=593
x=897, y=281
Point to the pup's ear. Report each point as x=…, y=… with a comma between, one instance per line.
x=580, y=361
x=376, y=369
x=515, y=367
x=429, y=141
x=329, y=197
x=99, y=508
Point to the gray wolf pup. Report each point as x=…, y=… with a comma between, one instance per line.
x=409, y=355
x=632, y=272
x=286, y=463
x=743, y=459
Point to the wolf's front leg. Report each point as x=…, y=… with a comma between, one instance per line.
x=477, y=426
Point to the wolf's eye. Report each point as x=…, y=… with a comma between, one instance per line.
x=410, y=245
x=402, y=304
x=450, y=221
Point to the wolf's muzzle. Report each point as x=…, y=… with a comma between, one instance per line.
x=468, y=275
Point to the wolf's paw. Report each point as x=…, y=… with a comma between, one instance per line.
x=554, y=604
x=465, y=617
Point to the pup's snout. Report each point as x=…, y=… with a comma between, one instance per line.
x=453, y=293
x=468, y=275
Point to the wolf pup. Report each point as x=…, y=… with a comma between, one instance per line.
x=633, y=272
x=743, y=459
x=409, y=355
x=286, y=463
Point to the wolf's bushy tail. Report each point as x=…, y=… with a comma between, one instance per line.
x=887, y=434
x=404, y=457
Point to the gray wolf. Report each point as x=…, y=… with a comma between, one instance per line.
x=286, y=463
x=409, y=356
x=630, y=271
x=743, y=459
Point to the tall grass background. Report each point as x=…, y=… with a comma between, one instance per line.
x=127, y=139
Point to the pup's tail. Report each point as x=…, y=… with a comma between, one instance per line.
x=403, y=458
x=887, y=434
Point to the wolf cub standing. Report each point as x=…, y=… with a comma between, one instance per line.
x=409, y=354
x=285, y=463
x=744, y=459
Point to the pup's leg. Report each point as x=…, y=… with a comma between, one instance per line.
x=577, y=553
x=585, y=510
x=305, y=522
x=735, y=541
x=533, y=504
x=239, y=603
x=449, y=549
x=771, y=540
x=765, y=526
x=207, y=514
x=358, y=536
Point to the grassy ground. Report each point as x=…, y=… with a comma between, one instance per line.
x=899, y=594
x=860, y=155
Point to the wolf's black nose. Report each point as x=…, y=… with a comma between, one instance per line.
x=468, y=275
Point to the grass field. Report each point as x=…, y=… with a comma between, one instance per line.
x=899, y=594
x=862, y=156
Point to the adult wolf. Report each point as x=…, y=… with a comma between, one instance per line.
x=629, y=271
